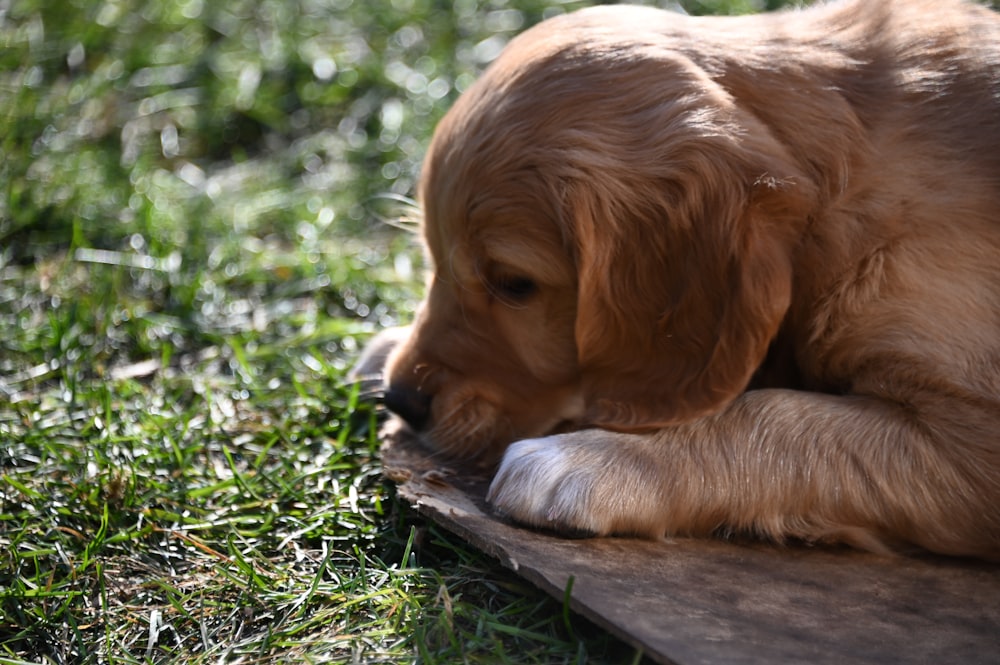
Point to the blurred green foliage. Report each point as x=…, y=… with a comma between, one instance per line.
x=110, y=107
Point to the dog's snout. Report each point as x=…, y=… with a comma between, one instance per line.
x=411, y=405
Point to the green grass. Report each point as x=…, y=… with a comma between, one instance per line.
x=193, y=247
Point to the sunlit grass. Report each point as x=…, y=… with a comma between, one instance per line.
x=198, y=231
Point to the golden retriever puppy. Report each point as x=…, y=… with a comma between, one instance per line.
x=704, y=276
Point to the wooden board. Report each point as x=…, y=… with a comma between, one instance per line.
x=689, y=602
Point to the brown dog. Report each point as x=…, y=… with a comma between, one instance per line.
x=724, y=275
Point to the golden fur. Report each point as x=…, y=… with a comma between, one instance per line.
x=720, y=275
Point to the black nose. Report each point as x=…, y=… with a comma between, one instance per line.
x=412, y=406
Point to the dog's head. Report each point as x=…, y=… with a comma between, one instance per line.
x=610, y=234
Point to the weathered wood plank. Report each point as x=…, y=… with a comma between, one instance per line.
x=690, y=602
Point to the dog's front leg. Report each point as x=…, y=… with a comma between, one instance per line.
x=775, y=463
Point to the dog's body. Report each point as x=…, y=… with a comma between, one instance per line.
x=724, y=275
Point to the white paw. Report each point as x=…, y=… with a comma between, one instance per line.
x=536, y=485
x=575, y=483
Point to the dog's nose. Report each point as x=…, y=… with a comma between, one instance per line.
x=412, y=406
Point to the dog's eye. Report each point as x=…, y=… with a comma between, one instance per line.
x=514, y=288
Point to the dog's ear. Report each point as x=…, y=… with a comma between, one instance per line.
x=684, y=272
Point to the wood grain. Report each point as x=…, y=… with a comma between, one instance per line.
x=690, y=602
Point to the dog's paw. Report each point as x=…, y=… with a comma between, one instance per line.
x=579, y=483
